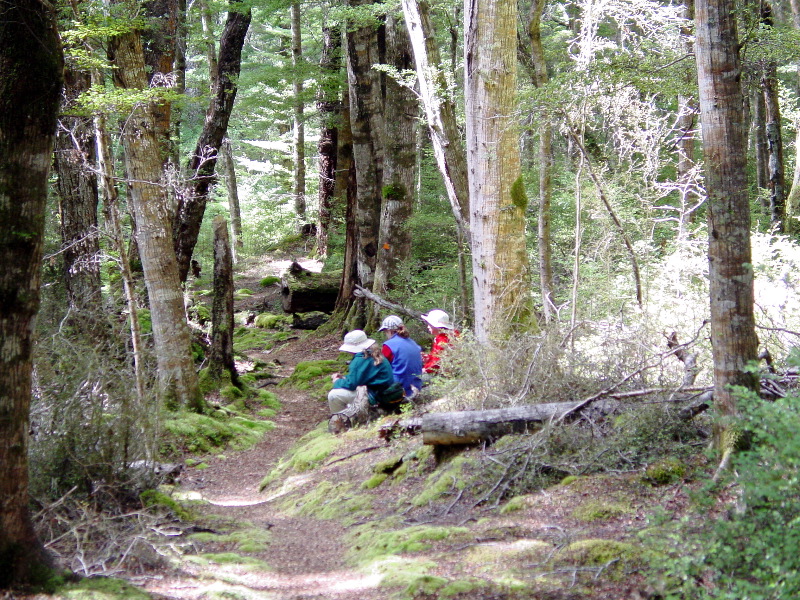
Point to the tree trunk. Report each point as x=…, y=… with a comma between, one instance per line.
x=775, y=168
x=399, y=165
x=31, y=66
x=206, y=19
x=734, y=341
x=221, y=355
x=176, y=375
x=793, y=198
x=299, y=140
x=347, y=194
x=329, y=109
x=159, y=42
x=687, y=125
x=366, y=124
x=544, y=243
x=501, y=278
x=440, y=110
x=760, y=142
x=229, y=166
x=111, y=212
x=77, y=192
x=192, y=205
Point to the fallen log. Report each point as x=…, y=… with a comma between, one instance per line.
x=473, y=426
x=305, y=291
x=396, y=308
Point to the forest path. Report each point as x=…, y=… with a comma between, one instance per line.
x=304, y=557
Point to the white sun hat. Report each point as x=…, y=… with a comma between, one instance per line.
x=438, y=318
x=356, y=341
x=391, y=322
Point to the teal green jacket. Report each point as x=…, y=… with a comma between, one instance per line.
x=364, y=371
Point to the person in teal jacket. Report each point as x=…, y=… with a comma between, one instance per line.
x=369, y=367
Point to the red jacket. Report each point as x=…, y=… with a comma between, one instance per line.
x=430, y=360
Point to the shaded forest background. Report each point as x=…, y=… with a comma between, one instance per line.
x=247, y=104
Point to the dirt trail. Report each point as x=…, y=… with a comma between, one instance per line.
x=305, y=556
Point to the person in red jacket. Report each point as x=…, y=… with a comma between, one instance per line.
x=442, y=330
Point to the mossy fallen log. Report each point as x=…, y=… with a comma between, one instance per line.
x=305, y=291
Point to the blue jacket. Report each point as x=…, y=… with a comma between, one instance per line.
x=364, y=371
x=406, y=362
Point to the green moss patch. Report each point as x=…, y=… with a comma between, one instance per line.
x=449, y=477
x=251, y=338
x=200, y=434
x=150, y=498
x=101, y=588
x=269, y=280
x=246, y=540
x=309, y=452
x=598, y=552
x=598, y=510
x=271, y=321
x=331, y=500
x=314, y=376
x=664, y=472
x=369, y=543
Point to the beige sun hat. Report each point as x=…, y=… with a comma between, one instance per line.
x=438, y=318
x=356, y=341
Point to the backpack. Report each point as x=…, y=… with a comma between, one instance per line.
x=391, y=397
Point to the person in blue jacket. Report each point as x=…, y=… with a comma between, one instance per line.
x=403, y=353
x=369, y=367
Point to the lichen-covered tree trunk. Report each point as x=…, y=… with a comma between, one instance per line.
x=31, y=66
x=501, y=277
x=775, y=168
x=440, y=110
x=231, y=185
x=220, y=359
x=329, y=108
x=366, y=124
x=176, y=374
x=734, y=341
x=793, y=197
x=298, y=125
x=203, y=162
x=400, y=161
x=76, y=185
x=760, y=144
x=347, y=194
x=544, y=242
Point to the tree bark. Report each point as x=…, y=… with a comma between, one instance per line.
x=793, y=197
x=734, y=342
x=687, y=126
x=760, y=143
x=347, y=193
x=544, y=242
x=330, y=109
x=440, y=110
x=176, y=375
x=76, y=185
x=399, y=166
x=202, y=164
x=31, y=66
x=229, y=167
x=221, y=356
x=775, y=168
x=501, y=277
x=298, y=126
x=367, y=128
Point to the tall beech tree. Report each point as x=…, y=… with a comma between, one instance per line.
x=76, y=185
x=176, y=374
x=203, y=162
x=733, y=336
x=31, y=66
x=399, y=167
x=501, y=277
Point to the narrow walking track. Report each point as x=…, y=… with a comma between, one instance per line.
x=305, y=556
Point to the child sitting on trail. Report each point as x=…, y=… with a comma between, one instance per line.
x=368, y=368
x=441, y=328
x=403, y=353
